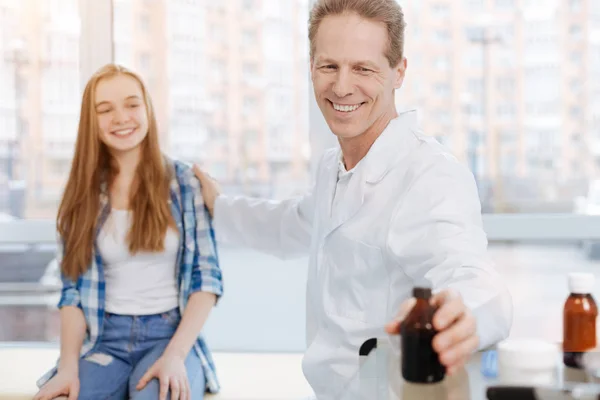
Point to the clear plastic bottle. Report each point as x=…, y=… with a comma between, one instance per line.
x=579, y=319
x=420, y=362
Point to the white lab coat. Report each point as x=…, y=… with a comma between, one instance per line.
x=411, y=215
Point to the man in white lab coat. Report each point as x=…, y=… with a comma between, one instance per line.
x=390, y=207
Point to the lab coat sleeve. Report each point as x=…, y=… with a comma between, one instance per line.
x=437, y=237
x=279, y=228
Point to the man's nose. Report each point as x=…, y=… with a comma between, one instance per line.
x=342, y=86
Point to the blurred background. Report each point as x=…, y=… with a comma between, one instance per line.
x=512, y=87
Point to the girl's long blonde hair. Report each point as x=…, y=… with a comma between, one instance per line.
x=93, y=166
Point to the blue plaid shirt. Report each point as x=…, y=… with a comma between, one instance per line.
x=198, y=267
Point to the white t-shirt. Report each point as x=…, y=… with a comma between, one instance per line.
x=138, y=284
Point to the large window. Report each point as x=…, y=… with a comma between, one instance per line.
x=223, y=78
x=230, y=96
x=208, y=93
x=527, y=71
x=516, y=97
x=39, y=102
x=518, y=67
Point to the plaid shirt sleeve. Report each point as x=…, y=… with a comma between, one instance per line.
x=206, y=273
x=69, y=294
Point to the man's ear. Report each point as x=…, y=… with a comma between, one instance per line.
x=400, y=72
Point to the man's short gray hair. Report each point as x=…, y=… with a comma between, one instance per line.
x=388, y=12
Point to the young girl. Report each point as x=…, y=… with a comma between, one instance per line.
x=137, y=255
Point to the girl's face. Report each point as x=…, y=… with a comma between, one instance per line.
x=122, y=114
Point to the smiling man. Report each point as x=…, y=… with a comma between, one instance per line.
x=391, y=208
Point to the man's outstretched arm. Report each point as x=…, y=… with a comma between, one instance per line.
x=280, y=228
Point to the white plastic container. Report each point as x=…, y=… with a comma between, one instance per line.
x=528, y=362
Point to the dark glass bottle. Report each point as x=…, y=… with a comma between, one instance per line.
x=420, y=362
x=579, y=319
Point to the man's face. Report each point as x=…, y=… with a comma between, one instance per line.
x=352, y=79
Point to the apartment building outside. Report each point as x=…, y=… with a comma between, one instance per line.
x=511, y=86
x=233, y=89
x=229, y=82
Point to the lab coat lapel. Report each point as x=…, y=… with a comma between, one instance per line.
x=352, y=201
x=387, y=150
x=329, y=184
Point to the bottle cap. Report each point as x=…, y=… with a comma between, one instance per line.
x=422, y=293
x=581, y=282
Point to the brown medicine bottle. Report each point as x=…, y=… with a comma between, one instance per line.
x=420, y=362
x=579, y=319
